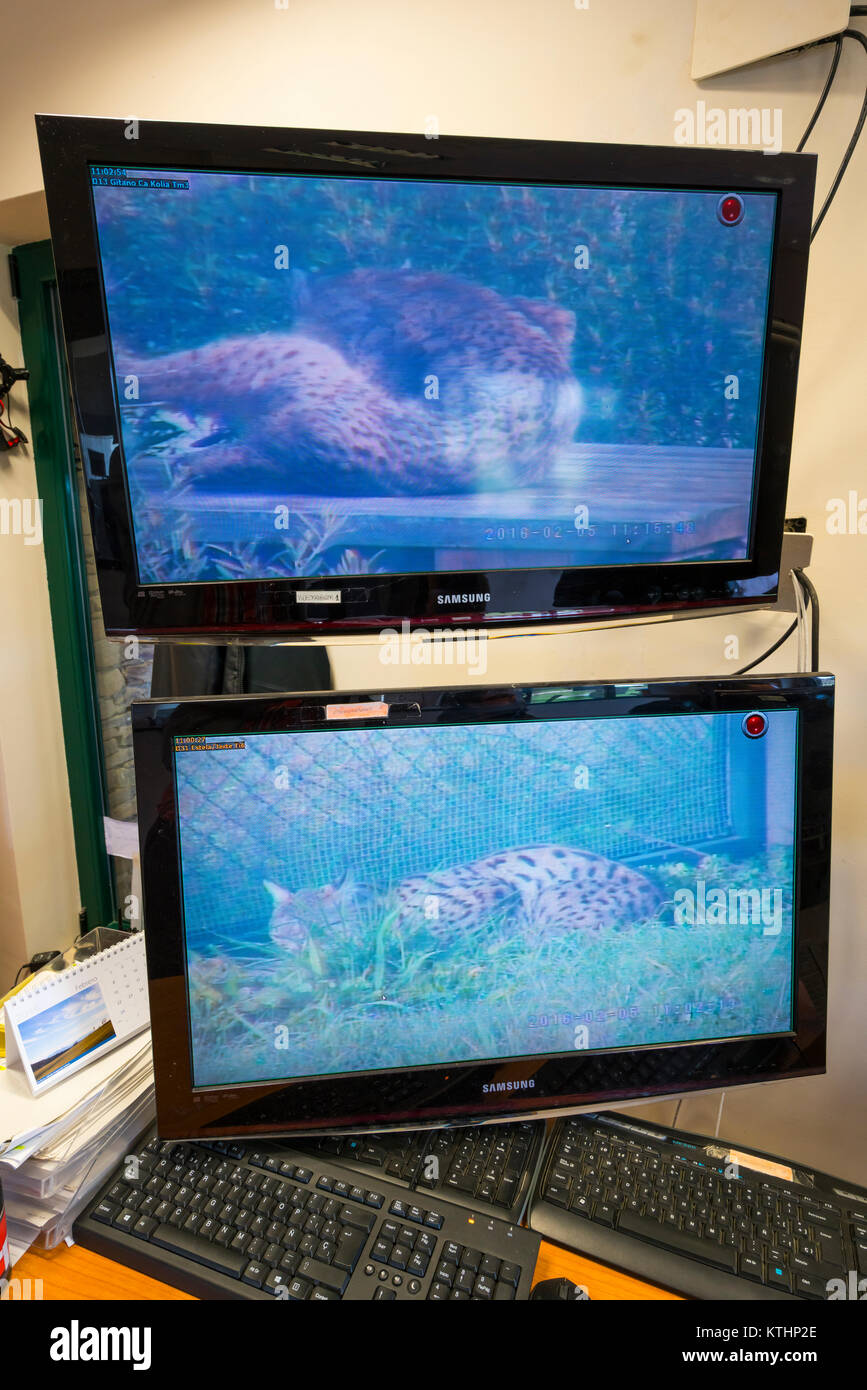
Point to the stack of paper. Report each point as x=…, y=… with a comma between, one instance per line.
x=57, y=1148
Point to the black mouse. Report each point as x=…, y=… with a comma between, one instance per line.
x=560, y=1291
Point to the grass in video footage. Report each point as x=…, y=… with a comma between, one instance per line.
x=374, y=991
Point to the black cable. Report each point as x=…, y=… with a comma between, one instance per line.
x=25, y=966
x=859, y=125
x=838, y=49
x=770, y=651
x=850, y=148
x=810, y=591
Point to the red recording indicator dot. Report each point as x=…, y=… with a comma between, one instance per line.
x=755, y=725
x=730, y=209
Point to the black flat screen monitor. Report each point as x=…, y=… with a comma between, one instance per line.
x=422, y=907
x=335, y=380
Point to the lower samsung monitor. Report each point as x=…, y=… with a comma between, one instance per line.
x=428, y=906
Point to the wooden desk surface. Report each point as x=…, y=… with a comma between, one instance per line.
x=70, y=1272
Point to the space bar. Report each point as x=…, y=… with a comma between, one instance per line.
x=201, y=1251
x=681, y=1241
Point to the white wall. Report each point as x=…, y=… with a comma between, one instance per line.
x=39, y=898
x=543, y=68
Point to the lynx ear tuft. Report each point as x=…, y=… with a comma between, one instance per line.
x=280, y=895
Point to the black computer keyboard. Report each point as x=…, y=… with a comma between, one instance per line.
x=659, y=1204
x=247, y=1220
x=470, y=1165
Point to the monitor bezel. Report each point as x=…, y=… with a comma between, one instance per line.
x=519, y=596
x=435, y=1095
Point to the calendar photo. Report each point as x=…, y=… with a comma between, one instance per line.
x=66, y=1020
x=65, y=1032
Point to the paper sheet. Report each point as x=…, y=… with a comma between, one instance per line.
x=24, y=1115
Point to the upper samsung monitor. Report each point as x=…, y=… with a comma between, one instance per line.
x=341, y=380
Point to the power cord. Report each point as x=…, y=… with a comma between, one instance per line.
x=813, y=599
x=837, y=40
x=808, y=590
x=742, y=671
x=838, y=49
x=801, y=610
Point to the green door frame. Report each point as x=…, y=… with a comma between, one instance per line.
x=54, y=457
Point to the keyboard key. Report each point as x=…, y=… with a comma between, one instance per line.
x=255, y=1274
x=205, y=1252
x=319, y=1273
x=830, y=1247
x=373, y=1154
x=778, y=1277
x=465, y=1281
x=356, y=1216
x=106, y=1211
x=750, y=1267
x=811, y=1286
x=720, y=1256
x=349, y=1248
x=276, y=1281
x=508, y=1190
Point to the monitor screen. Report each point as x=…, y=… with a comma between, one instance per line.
x=578, y=884
x=342, y=380
x=322, y=377
x=431, y=905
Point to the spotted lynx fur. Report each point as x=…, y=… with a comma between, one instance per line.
x=389, y=383
x=546, y=891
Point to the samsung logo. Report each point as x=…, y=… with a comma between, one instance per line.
x=463, y=598
x=509, y=1086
